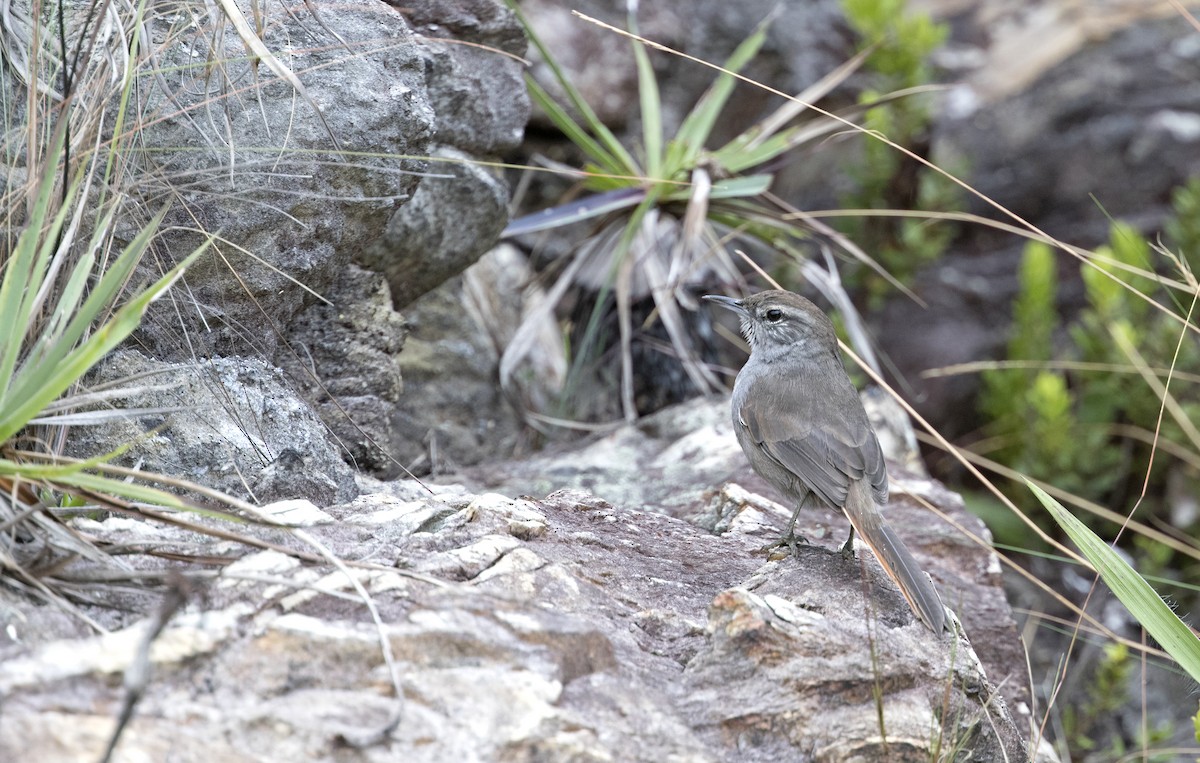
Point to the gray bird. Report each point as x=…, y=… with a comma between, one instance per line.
x=801, y=423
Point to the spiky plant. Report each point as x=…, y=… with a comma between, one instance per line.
x=670, y=214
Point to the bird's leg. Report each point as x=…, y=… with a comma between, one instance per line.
x=848, y=548
x=790, y=539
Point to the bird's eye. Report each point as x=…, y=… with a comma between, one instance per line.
x=774, y=315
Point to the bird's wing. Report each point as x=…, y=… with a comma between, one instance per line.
x=821, y=435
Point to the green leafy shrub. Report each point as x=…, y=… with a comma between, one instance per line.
x=1087, y=423
x=1037, y=425
x=900, y=45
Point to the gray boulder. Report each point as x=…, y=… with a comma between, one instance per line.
x=232, y=424
x=273, y=181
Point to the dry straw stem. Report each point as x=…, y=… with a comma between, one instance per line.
x=977, y=366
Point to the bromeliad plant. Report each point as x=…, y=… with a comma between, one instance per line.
x=664, y=214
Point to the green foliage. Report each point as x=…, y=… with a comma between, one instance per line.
x=905, y=39
x=1183, y=230
x=900, y=44
x=47, y=346
x=1030, y=338
x=665, y=172
x=1033, y=334
x=1034, y=414
x=74, y=239
x=1088, y=430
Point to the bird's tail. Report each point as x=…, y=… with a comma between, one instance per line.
x=894, y=556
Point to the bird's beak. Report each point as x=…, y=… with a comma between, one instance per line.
x=729, y=303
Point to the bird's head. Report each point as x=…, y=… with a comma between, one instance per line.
x=779, y=322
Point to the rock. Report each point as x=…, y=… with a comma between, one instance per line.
x=343, y=357
x=1001, y=47
x=1108, y=130
x=772, y=661
x=232, y=424
x=565, y=627
x=453, y=411
x=505, y=298
x=455, y=216
x=477, y=89
x=1126, y=106
x=295, y=512
x=304, y=210
x=417, y=115
x=272, y=181
x=590, y=640
x=965, y=318
x=474, y=78
x=676, y=461
x=296, y=189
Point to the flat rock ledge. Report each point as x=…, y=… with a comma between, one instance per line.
x=558, y=629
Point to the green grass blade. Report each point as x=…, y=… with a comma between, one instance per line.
x=573, y=131
x=651, y=105
x=597, y=127
x=750, y=185
x=25, y=270
x=734, y=157
x=72, y=294
x=1134, y=592
x=74, y=291
x=56, y=379
x=114, y=279
x=697, y=126
x=730, y=188
x=45, y=356
x=74, y=475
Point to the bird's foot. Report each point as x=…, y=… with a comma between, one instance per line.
x=848, y=550
x=790, y=543
x=848, y=547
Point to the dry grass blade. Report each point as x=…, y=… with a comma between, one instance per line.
x=830, y=286
x=1185, y=546
x=1170, y=404
x=526, y=337
x=793, y=107
x=976, y=366
x=690, y=240
x=662, y=289
x=622, y=286
x=849, y=246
